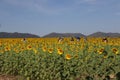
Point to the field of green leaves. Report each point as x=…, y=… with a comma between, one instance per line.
x=50, y=59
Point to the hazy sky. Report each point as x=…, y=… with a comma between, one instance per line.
x=44, y=16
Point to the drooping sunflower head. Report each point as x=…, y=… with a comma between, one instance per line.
x=100, y=51
x=105, y=56
x=76, y=56
x=115, y=50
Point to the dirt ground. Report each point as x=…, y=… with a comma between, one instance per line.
x=9, y=77
x=4, y=77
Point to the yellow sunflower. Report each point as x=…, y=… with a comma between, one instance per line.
x=50, y=50
x=29, y=47
x=7, y=48
x=60, y=51
x=44, y=49
x=68, y=56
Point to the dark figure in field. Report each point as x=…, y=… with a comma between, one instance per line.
x=77, y=38
x=105, y=40
x=71, y=39
x=60, y=39
x=24, y=39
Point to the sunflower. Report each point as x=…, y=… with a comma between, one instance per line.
x=44, y=49
x=115, y=50
x=68, y=56
x=16, y=50
x=60, y=51
x=7, y=48
x=22, y=48
x=105, y=53
x=50, y=50
x=100, y=51
x=29, y=47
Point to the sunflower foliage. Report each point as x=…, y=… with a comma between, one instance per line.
x=48, y=59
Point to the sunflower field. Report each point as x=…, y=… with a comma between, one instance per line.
x=50, y=59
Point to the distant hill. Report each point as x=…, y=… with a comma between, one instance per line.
x=17, y=35
x=102, y=34
x=96, y=34
x=28, y=35
x=64, y=35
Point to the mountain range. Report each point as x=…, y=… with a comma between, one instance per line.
x=96, y=34
x=54, y=34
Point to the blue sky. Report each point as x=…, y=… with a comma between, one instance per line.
x=45, y=16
